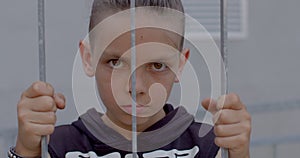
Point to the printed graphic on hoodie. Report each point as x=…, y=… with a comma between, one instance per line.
x=191, y=153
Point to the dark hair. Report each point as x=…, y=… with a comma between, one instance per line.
x=101, y=6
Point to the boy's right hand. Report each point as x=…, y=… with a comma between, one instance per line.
x=36, y=117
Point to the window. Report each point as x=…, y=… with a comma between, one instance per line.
x=207, y=13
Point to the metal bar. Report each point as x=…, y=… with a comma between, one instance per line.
x=224, y=43
x=274, y=150
x=42, y=61
x=224, y=40
x=133, y=79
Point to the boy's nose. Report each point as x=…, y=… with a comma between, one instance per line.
x=140, y=83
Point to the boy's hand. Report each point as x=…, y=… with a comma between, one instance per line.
x=36, y=117
x=232, y=124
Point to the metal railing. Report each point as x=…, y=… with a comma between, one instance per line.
x=273, y=107
x=274, y=142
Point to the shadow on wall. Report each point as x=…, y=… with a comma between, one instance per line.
x=7, y=139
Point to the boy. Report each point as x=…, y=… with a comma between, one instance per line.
x=162, y=130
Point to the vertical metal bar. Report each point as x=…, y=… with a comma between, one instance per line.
x=133, y=79
x=274, y=150
x=41, y=38
x=224, y=40
x=42, y=61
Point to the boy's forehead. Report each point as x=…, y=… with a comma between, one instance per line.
x=144, y=35
x=113, y=33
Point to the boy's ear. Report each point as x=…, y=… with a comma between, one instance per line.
x=86, y=58
x=184, y=56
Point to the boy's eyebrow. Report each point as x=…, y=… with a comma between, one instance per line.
x=117, y=55
x=110, y=53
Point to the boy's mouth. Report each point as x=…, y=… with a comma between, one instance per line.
x=139, y=108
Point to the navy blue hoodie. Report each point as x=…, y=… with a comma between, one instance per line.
x=177, y=135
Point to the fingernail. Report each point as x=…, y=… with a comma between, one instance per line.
x=59, y=99
x=42, y=87
x=220, y=103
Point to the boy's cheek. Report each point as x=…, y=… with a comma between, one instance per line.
x=158, y=97
x=120, y=87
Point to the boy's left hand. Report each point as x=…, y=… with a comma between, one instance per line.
x=232, y=124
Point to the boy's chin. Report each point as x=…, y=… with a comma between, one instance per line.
x=140, y=121
x=141, y=112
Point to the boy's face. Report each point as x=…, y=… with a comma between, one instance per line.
x=158, y=64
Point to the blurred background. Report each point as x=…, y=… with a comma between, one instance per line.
x=264, y=44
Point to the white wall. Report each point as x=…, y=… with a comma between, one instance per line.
x=264, y=67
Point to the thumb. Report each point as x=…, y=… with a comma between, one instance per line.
x=60, y=100
x=210, y=105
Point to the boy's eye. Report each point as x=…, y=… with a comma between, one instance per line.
x=115, y=63
x=158, y=66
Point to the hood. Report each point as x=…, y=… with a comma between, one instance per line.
x=158, y=135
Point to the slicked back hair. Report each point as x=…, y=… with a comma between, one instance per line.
x=101, y=6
